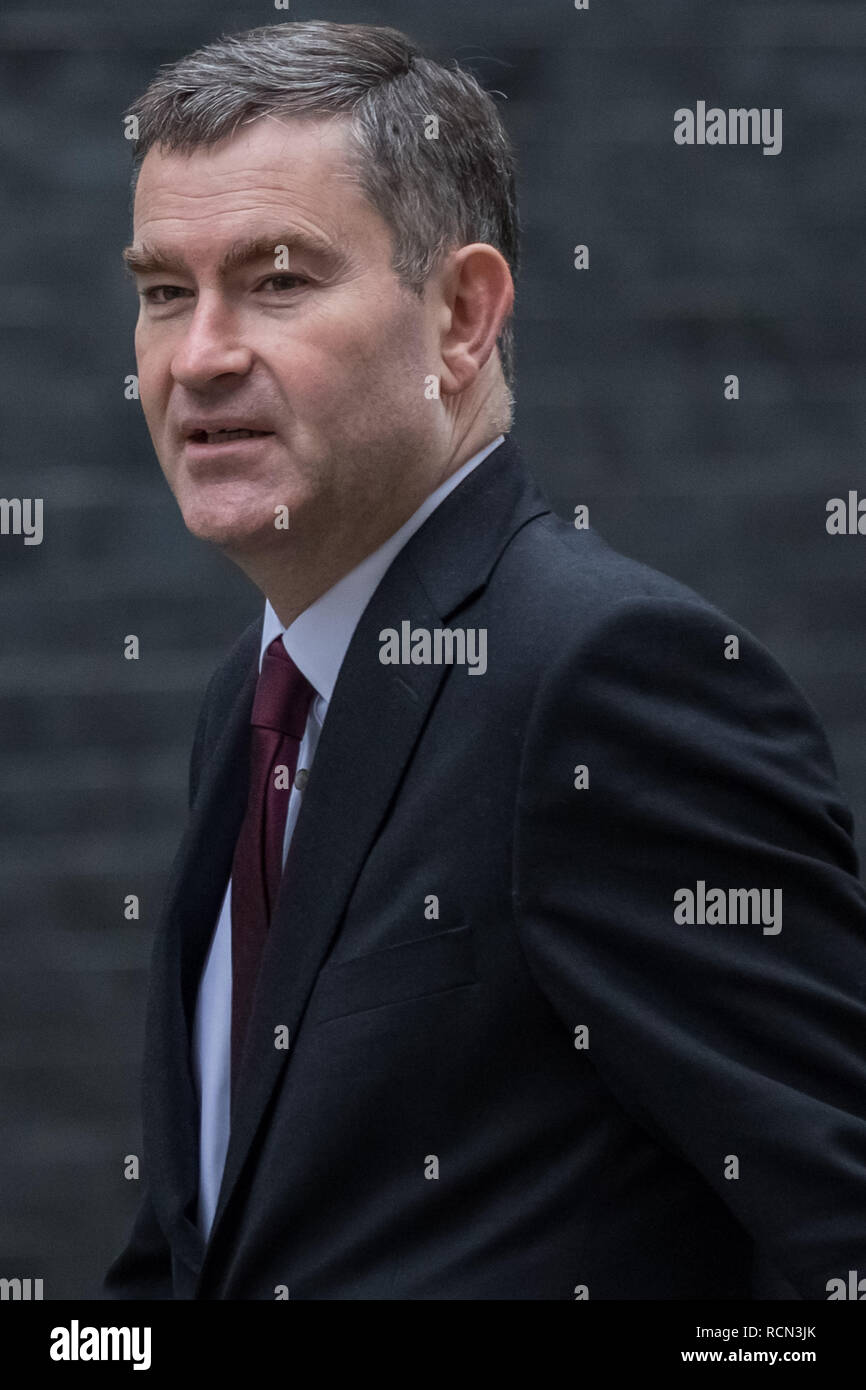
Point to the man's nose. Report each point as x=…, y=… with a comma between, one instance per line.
x=211, y=347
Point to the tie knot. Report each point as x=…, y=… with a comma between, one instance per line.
x=283, y=693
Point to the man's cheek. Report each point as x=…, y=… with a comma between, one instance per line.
x=141, y=346
x=315, y=380
x=148, y=377
x=146, y=401
x=153, y=410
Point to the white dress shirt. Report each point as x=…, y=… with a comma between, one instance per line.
x=316, y=641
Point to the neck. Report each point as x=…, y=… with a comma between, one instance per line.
x=300, y=564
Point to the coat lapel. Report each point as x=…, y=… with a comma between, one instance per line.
x=373, y=722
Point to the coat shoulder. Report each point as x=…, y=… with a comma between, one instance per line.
x=560, y=584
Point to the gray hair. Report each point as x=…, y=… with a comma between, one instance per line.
x=434, y=194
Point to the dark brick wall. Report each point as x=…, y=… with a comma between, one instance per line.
x=702, y=262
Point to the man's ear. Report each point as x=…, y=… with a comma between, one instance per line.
x=477, y=294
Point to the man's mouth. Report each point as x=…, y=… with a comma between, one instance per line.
x=224, y=436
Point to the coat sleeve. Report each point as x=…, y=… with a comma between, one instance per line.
x=728, y=1040
x=143, y=1268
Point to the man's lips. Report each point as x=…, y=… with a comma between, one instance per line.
x=241, y=447
x=224, y=436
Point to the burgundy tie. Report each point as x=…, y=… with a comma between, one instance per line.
x=280, y=709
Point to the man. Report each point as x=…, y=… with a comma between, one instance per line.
x=515, y=946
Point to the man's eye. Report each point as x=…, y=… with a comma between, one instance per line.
x=170, y=290
x=279, y=281
x=165, y=294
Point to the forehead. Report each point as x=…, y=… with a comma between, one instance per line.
x=298, y=171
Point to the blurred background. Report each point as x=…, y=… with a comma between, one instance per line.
x=703, y=262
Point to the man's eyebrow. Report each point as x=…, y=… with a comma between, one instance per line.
x=148, y=259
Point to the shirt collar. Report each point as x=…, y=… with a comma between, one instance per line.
x=319, y=638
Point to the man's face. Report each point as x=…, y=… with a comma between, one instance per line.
x=326, y=359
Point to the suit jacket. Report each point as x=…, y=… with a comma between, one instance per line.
x=511, y=1073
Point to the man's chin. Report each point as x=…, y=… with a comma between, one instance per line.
x=233, y=534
